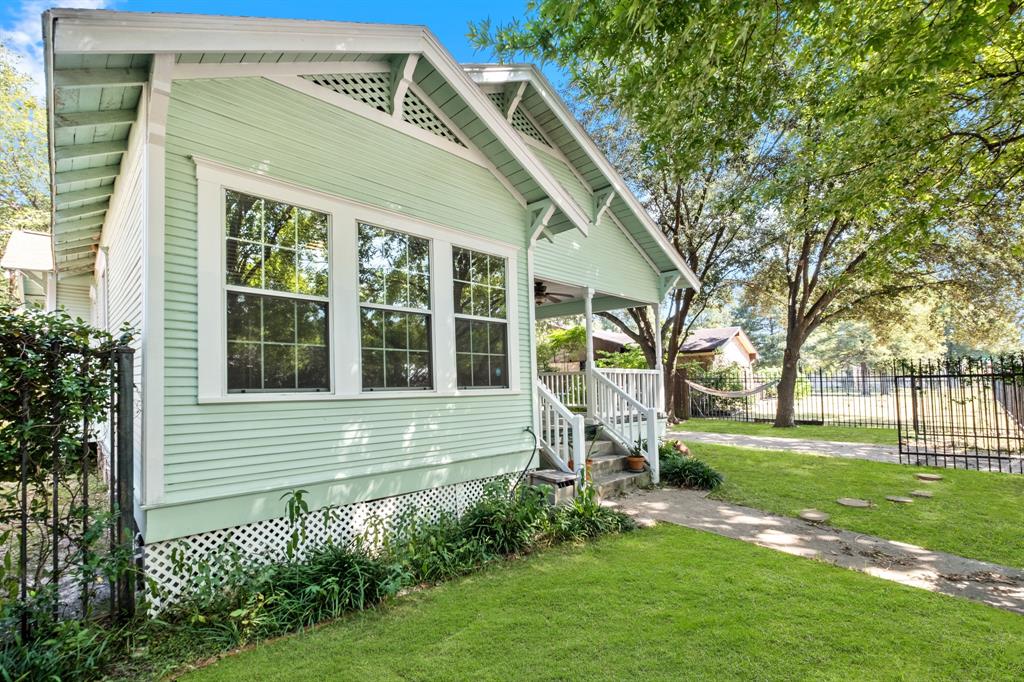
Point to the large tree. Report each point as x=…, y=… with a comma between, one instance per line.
x=897, y=120
x=24, y=184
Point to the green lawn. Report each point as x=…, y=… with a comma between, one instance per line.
x=973, y=513
x=660, y=604
x=846, y=434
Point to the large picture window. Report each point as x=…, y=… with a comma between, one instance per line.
x=395, y=310
x=277, y=295
x=481, y=319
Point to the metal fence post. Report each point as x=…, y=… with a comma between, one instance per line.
x=123, y=358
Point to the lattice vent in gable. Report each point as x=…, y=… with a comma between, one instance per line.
x=524, y=125
x=416, y=112
x=498, y=98
x=373, y=89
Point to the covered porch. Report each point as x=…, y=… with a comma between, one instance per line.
x=626, y=404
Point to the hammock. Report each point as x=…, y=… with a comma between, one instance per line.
x=731, y=394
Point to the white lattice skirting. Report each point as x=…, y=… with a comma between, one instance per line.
x=169, y=563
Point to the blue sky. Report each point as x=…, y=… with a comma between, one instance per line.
x=20, y=25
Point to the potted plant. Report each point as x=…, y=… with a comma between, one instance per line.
x=636, y=458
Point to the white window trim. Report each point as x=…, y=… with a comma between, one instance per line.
x=343, y=310
x=483, y=318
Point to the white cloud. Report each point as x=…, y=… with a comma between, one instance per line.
x=24, y=35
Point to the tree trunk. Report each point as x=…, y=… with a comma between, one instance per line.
x=785, y=411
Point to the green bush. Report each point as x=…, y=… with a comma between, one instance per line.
x=585, y=518
x=507, y=523
x=689, y=472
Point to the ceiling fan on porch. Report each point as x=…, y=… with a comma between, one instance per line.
x=541, y=295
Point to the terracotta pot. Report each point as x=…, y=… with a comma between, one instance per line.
x=635, y=464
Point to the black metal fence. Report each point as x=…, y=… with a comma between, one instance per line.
x=67, y=515
x=861, y=396
x=962, y=413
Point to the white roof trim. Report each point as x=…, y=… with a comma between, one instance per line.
x=502, y=73
x=107, y=32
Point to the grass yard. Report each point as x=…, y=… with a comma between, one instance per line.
x=658, y=604
x=973, y=513
x=845, y=434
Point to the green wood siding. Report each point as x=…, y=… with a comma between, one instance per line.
x=346, y=447
x=605, y=259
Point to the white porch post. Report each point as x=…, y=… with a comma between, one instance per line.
x=588, y=314
x=659, y=397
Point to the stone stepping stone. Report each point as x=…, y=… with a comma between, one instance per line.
x=921, y=493
x=929, y=477
x=813, y=515
x=853, y=502
x=899, y=499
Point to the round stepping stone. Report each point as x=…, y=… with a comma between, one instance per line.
x=921, y=493
x=853, y=502
x=929, y=477
x=813, y=515
x=899, y=499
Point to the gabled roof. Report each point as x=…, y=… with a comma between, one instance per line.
x=709, y=340
x=551, y=114
x=98, y=63
x=28, y=251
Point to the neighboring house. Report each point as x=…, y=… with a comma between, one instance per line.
x=604, y=342
x=28, y=267
x=719, y=347
x=328, y=236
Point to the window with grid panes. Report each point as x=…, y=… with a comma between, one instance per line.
x=481, y=319
x=277, y=295
x=394, y=310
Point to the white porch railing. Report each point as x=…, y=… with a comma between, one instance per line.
x=627, y=420
x=569, y=387
x=561, y=431
x=641, y=384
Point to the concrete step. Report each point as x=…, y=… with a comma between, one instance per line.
x=597, y=448
x=614, y=484
x=608, y=463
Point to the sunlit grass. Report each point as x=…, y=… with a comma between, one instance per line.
x=845, y=434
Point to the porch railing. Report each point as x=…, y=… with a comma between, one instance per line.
x=561, y=431
x=570, y=388
x=641, y=384
x=627, y=420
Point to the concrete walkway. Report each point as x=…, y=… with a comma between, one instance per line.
x=877, y=453
x=995, y=585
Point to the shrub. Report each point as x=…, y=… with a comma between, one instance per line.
x=585, y=518
x=689, y=472
x=421, y=550
x=507, y=523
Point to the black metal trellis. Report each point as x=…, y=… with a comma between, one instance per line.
x=965, y=413
x=69, y=572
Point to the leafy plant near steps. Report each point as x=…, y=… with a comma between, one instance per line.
x=689, y=472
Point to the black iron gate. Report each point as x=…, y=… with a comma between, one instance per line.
x=67, y=520
x=965, y=413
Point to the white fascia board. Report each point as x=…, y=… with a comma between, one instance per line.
x=106, y=32
x=109, y=32
x=504, y=73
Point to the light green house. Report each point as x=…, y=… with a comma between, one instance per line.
x=335, y=241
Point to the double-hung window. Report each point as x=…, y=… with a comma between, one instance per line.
x=394, y=310
x=276, y=282
x=481, y=319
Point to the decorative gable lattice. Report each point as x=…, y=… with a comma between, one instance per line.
x=416, y=112
x=374, y=89
x=520, y=121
